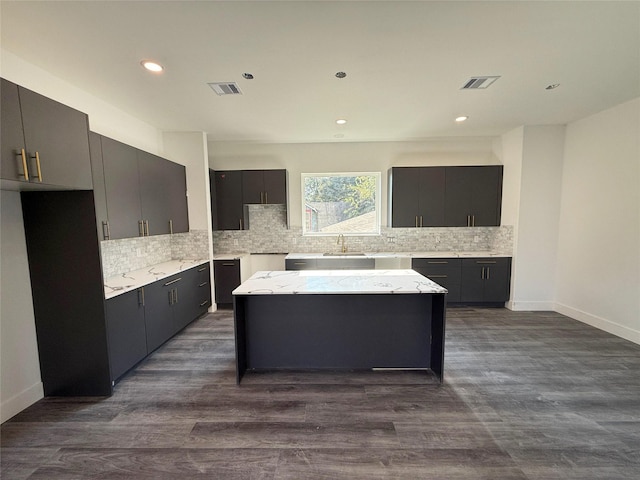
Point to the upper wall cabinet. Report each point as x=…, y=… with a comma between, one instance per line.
x=264, y=186
x=43, y=141
x=473, y=196
x=231, y=190
x=417, y=196
x=445, y=196
x=137, y=193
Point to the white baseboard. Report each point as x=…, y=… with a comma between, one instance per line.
x=14, y=405
x=518, y=306
x=601, y=323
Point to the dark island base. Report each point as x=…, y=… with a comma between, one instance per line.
x=339, y=332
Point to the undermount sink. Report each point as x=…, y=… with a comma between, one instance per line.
x=343, y=254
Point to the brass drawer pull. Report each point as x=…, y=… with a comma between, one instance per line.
x=173, y=281
x=24, y=164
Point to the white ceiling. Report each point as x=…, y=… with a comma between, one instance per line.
x=405, y=62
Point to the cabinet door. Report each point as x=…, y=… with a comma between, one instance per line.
x=252, y=186
x=126, y=331
x=275, y=187
x=185, y=307
x=431, y=196
x=154, y=193
x=472, y=284
x=459, y=184
x=122, y=188
x=497, y=284
x=227, y=278
x=486, y=195
x=405, y=193
x=12, y=144
x=99, y=190
x=228, y=187
x=59, y=135
x=177, y=193
x=159, y=312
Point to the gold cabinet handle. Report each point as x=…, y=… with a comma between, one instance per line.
x=146, y=228
x=473, y=220
x=416, y=222
x=25, y=169
x=173, y=281
x=38, y=170
x=203, y=284
x=171, y=227
x=444, y=262
x=141, y=296
x=266, y=197
x=204, y=303
x=241, y=224
x=140, y=228
x=202, y=269
x=421, y=220
x=468, y=220
x=437, y=276
x=488, y=276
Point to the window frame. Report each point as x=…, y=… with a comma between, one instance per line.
x=378, y=203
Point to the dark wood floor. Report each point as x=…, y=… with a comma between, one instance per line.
x=526, y=396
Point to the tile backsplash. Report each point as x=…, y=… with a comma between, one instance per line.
x=127, y=254
x=268, y=233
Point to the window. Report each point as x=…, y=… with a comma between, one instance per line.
x=335, y=203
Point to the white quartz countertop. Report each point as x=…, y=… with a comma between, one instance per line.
x=230, y=256
x=337, y=282
x=138, y=278
x=305, y=256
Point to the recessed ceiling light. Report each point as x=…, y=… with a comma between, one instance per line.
x=341, y=121
x=552, y=86
x=341, y=74
x=152, y=66
x=248, y=76
x=461, y=118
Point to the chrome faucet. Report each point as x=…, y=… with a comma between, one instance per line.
x=344, y=247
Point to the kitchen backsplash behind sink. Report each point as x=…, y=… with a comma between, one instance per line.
x=128, y=254
x=268, y=234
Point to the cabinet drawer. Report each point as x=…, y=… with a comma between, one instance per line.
x=306, y=264
x=434, y=262
x=487, y=262
x=345, y=264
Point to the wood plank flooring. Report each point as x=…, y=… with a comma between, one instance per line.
x=526, y=396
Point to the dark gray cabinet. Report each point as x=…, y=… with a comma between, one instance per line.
x=159, y=301
x=138, y=193
x=473, y=196
x=68, y=292
x=202, y=283
x=468, y=196
x=264, y=186
x=126, y=331
x=226, y=198
x=485, y=280
x=43, y=141
x=443, y=271
x=232, y=190
x=418, y=195
x=226, y=274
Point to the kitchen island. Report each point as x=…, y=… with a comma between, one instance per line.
x=339, y=320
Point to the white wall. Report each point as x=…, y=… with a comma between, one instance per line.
x=347, y=157
x=536, y=236
x=20, y=383
x=598, y=271
x=103, y=117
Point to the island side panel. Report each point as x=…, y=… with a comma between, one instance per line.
x=343, y=331
x=438, y=322
x=240, y=335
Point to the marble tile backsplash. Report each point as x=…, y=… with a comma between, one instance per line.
x=268, y=233
x=128, y=254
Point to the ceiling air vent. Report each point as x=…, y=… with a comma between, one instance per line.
x=225, y=88
x=479, y=83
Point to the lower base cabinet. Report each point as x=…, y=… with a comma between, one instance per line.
x=469, y=280
x=140, y=321
x=227, y=278
x=126, y=331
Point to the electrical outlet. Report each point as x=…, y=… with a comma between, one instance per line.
x=391, y=239
x=235, y=242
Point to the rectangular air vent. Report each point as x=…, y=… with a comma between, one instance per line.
x=225, y=88
x=478, y=83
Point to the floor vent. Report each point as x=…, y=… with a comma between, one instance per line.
x=225, y=88
x=479, y=83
